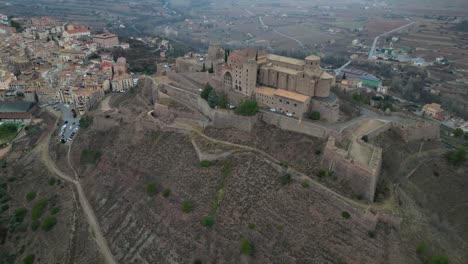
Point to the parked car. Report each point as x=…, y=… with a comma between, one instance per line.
x=231, y=106
x=289, y=114
x=273, y=110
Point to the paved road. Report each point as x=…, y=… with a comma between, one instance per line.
x=337, y=71
x=67, y=115
x=372, y=51
x=260, y=19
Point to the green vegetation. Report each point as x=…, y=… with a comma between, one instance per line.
x=251, y=226
x=86, y=121
x=49, y=223
x=325, y=173
x=285, y=179
x=166, y=192
x=19, y=215
x=371, y=233
x=458, y=132
x=457, y=157
x=35, y=225
x=54, y=211
x=439, y=260
x=211, y=69
x=52, y=181
x=7, y=132
x=305, y=185
x=421, y=248
x=205, y=163
x=206, y=91
x=197, y=261
x=212, y=99
x=187, y=206
x=247, y=108
x=38, y=209
x=314, y=115
x=89, y=156
x=30, y=196
x=246, y=247
x=345, y=215
x=29, y=259
x=208, y=221
x=151, y=189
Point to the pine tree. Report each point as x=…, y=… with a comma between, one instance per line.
x=211, y=70
x=204, y=68
x=256, y=56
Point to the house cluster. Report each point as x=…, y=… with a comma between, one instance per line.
x=49, y=61
x=352, y=79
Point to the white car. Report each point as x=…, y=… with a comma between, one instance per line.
x=273, y=110
x=200, y=90
x=289, y=114
x=231, y=106
x=67, y=105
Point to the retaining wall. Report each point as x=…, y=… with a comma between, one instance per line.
x=295, y=125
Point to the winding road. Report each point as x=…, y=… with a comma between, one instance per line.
x=372, y=51
x=43, y=151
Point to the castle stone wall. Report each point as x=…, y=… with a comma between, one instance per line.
x=295, y=125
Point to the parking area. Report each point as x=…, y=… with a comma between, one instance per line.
x=70, y=122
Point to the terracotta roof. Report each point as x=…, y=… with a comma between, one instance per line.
x=79, y=30
x=282, y=93
x=15, y=115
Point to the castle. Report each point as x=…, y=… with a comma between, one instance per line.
x=291, y=86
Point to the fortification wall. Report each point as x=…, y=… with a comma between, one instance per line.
x=106, y=121
x=295, y=125
x=420, y=131
x=362, y=179
x=379, y=130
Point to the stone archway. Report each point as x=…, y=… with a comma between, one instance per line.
x=228, y=80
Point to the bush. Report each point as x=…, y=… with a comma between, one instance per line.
x=246, y=247
x=151, y=189
x=54, y=211
x=206, y=91
x=421, y=248
x=49, y=223
x=166, y=192
x=186, y=206
x=205, y=163
x=371, y=233
x=212, y=99
x=52, y=181
x=251, y=226
x=89, y=156
x=86, y=121
x=35, y=225
x=8, y=132
x=314, y=115
x=38, y=209
x=458, y=132
x=305, y=185
x=345, y=215
x=457, y=157
x=208, y=221
x=285, y=179
x=197, y=261
x=247, y=108
x=30, y=196
x=29, y=259
x=19, y=215
x=439, y=260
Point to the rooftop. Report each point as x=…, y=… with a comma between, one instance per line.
x=283, y=59
x=15, y=107
x=283, y=93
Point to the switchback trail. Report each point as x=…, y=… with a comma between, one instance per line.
x=43, y=151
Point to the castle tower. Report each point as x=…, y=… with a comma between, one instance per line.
x=312, y=62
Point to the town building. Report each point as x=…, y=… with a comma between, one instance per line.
x=366, y=78
x=106, y=40
x=86, y=99
x=6, y=78
x=432, y=109
x=76, y=33
x=16, y=112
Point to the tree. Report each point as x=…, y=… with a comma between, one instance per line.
x=211, y=69
x=206, y=91
x=247, y=108
x=204, y=68
x=151, y=188
x=457, y=157
x=314, y=115
x=246, y=247
x=458, y=132
x=212, y=99
x=256, y=56
x=49, y=223
x=223, y=100
x=439, y=260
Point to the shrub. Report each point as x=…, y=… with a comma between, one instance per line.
x=151, y=189
x=439, y=260
x=49, y=223
x=89, y=156
x=86, y=121
x=208, y=221
x=38, y=209
x=186, y=206
x=35, y=225
x=4, y=208
x=251, y=226
x=458, y=132
x=371, y=233
x=30, y=196
x=19, y=215
x=205, y=163
x=197, y=261
x=206, y=91
x=52, y=181
x=305, y=185
x=285, y=179
x=212, y=99
x=457, y=157
x=246, y=247
x=166, y=192
x=223, y=100
x=345, y=215
x=421, y=248
x=54, y=210
x=247, y=108
x=314, y=115
x=29, y=259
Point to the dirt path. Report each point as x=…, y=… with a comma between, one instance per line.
x=43, y=151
